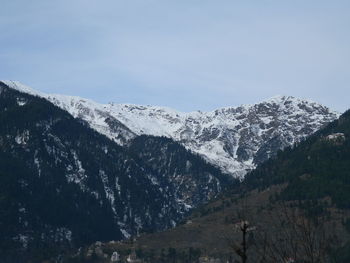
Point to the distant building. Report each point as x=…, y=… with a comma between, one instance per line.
x=188, y=222
x=132, y=258
x=207, y=259
x=115, y=257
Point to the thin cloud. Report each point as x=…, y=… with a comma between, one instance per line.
x=168, y=52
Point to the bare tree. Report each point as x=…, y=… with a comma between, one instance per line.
x=241, y=250
x=288, y=235
x=282, y=232
x=241, y=228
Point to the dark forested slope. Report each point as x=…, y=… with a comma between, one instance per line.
x=297, y=205
x=62, y=184
x=313, y=169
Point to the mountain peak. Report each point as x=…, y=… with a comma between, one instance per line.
x=282, y=99
x=235, y=139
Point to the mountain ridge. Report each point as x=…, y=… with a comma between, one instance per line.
x=27, y=89
x=235, y=139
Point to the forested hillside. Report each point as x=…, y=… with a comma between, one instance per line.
x=313, y=169
x=64, y=185
x=295, y=207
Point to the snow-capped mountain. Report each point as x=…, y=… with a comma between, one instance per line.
x=64, y=184
x=235, y=139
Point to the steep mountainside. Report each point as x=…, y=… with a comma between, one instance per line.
x=317, y=168
x=190, y=180
x=297, y=206
x=235, y=139
x=64, y=184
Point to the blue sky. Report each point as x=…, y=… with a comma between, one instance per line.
x=185, y=54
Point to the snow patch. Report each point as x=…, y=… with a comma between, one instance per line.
x=77, y=174
x=21, y=102
x=108, y=191
x=22, y=138
x=125, y=233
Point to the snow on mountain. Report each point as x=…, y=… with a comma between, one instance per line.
x=235, y=139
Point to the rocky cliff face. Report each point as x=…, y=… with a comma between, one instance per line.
x=235, y=139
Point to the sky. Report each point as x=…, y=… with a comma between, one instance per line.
x=185, y=54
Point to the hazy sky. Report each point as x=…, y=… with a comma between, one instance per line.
x=185, y=54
